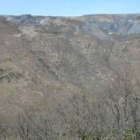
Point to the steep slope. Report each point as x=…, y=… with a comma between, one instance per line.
x=44, y=59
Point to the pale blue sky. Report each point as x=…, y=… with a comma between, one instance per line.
x=68, y=7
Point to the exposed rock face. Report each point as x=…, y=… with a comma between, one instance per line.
x=114, y=23
x=43, y=58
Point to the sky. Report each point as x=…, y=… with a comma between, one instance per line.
x=68, y=7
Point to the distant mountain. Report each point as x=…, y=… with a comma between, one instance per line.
x=103, y=24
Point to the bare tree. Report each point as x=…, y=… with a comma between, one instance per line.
x=124, y=102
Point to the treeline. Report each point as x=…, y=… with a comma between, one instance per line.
x=113, y=114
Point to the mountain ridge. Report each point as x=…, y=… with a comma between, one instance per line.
x=123, y=25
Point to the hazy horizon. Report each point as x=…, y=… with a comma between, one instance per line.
x=69, y=15
x=69, y=8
